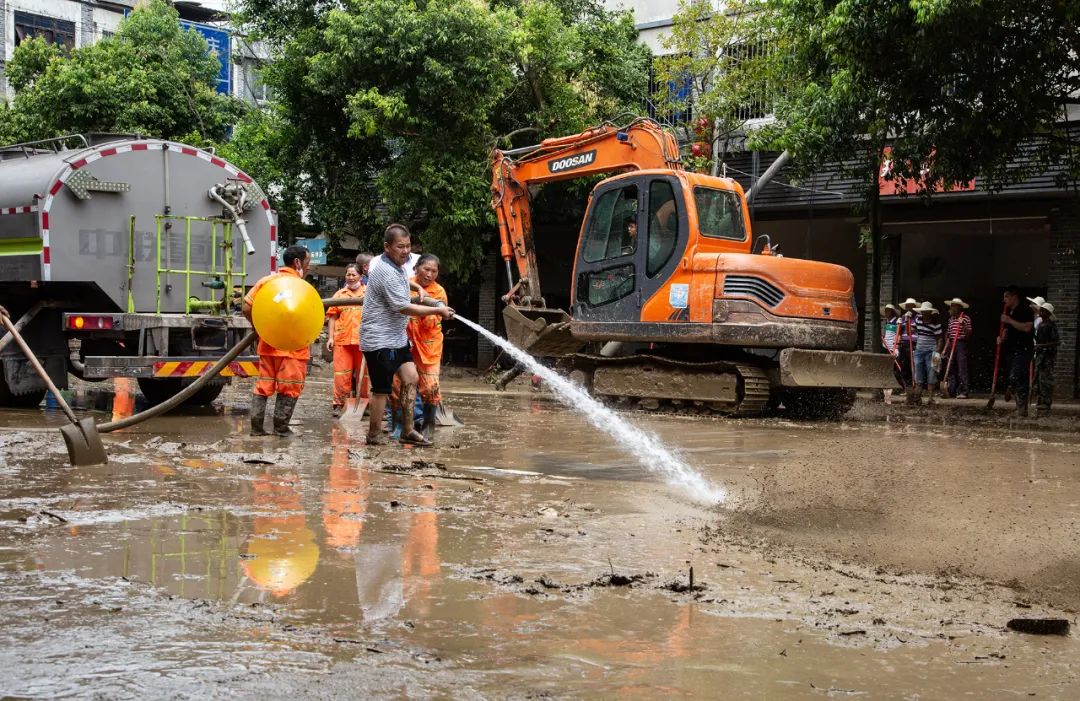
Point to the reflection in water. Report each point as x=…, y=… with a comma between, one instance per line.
x=125, y=389
x=345, y=500
x=281, y=551
x=420, y=560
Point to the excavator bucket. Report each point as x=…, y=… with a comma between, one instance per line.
x=541, y=332
x=819, y=368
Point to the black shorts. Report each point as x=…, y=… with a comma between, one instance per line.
x=383, y=364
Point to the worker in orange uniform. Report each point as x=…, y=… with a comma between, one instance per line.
x=280, y=372
x=426, y=335
x=343, y=339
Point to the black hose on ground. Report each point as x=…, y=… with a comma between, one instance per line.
x=179, y=398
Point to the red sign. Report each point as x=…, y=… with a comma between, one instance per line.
x=912, y=186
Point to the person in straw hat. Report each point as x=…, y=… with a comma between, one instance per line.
x=957, y=334
x=907, y=333
x=1047, y=340
x=1035, y=303
x=890, y=342
x=929, y=342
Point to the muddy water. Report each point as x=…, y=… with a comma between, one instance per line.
x=533, y=561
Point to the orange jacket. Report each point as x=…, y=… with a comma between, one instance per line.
x=347, y=319
x=264, y=347
x=425, y=332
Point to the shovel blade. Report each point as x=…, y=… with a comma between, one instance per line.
x=446, y=417
x=84, y=443
x=355, y=408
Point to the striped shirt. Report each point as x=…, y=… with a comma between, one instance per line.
x=926, y=335
x=888, y=339
x=384, y=323
x=961, y=324
x=907, y=321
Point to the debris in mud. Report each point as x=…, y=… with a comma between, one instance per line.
x=258, y=460
x=681, y=587
x=1039, y=626
x=612, y=579
x=414, y=466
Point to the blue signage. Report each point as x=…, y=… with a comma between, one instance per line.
x=221, y=47
x=317, y=247
x=220, y=44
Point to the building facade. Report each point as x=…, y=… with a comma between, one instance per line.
x=76, y=23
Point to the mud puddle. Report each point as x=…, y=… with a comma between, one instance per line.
x=524, y=558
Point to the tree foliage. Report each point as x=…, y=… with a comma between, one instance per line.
x=958, y=88
x=719, y=67
x=390, y=109
x=152, y=77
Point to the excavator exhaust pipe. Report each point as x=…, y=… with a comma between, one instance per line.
x=823, y=368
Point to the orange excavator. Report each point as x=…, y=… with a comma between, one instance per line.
x=669, y=304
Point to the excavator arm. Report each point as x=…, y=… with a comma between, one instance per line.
x=640, y=145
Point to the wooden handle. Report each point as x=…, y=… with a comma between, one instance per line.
x=38, y=368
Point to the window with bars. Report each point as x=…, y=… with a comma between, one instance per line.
x=681, y=94
x=53, y=31
x=758, y=106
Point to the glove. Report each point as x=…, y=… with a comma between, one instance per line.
x=935, y=361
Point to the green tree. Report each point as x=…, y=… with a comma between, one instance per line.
x=719, y=67
x=956, y=88
x=152, y=77
x=393, y=107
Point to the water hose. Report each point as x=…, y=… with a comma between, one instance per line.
x=179, y=398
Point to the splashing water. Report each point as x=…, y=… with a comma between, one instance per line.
x=642, y=444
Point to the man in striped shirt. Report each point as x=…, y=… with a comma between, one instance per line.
x=929, y=342
x=956, y=340
x=383, y=338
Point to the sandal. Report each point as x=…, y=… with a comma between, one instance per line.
x=414, y=437
x=380, y=439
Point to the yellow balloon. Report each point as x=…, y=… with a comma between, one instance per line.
x=288, y=313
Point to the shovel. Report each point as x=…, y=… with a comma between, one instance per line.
x=446, y=417
x=82, y=439
x=997, y=363
x=356, y=406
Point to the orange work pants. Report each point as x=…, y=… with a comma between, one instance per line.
x=427, y=386
x=281, y=375
x=348, y=364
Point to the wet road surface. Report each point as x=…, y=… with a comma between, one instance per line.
x=526, y=557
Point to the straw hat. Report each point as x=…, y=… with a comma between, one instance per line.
x=1048, y=307
x=909, y=303
x=958, y=302
x=925, y=307
x=1036, y=302
x=890, y=306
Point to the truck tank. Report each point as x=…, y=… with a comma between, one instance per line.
x=122, y=254
x=130, y=221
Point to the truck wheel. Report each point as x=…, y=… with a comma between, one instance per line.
x=158, y=391
x=27, y=400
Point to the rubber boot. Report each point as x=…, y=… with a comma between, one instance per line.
x=428, y=425
x=258, y=415
x=283, y=411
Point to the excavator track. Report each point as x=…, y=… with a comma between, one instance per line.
x=655, y=383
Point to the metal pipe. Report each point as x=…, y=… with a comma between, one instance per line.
x=216, y=196
x=768, y=175
x=21, y=324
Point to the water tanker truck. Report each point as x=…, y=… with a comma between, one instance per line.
x=120, y=257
